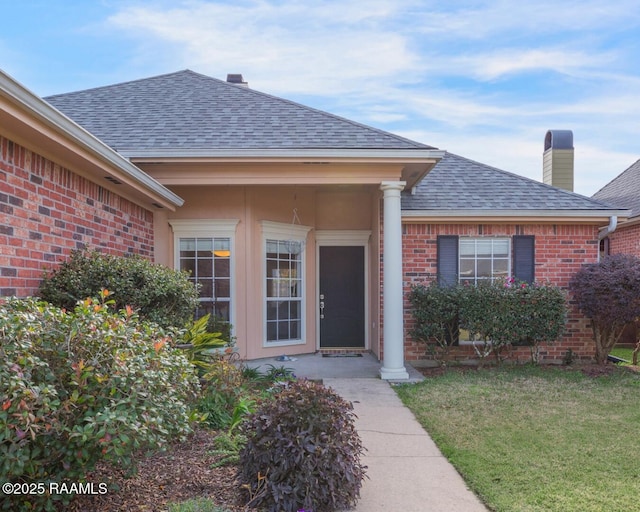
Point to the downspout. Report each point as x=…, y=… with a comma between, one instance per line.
x=605, y=232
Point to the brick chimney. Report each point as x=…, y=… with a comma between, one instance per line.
x=237, y=79
x=557, y=160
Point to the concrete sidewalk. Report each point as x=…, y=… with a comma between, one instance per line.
x=407, y=472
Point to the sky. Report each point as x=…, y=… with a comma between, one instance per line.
x=483, y=79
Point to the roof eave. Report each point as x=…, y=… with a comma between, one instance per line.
x=55, y=120
x=470, y=215
x=256, y=154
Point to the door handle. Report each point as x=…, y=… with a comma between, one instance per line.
x=321, y=309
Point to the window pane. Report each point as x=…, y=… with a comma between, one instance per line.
x=222, y=244
x=222, y=267
x=484, y=268
x=501, y=249
x=501, y=268
x=188, y=265
x=483, y=247
x=467, y=247
x=187, y=244
x=205, y=245
x=223, y=288
x=467, y=268
x=206, y=287
x=205, y=268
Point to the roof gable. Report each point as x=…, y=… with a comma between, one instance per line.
x=188, y=111
x=623, y=191
x=460, y=184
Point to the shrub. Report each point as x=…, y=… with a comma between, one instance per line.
x=499, y=314
x=302, y=451
x=81, y=386
x=158, y=293
x=608, y=294
x=436, y=311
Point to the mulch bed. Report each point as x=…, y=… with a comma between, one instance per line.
x=184, y=471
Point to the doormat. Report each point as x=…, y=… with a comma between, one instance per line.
x=347, y=354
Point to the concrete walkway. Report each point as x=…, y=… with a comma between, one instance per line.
x=407, y=472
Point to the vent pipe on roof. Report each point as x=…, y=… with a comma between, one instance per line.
x=557, y=160
x=236, y=79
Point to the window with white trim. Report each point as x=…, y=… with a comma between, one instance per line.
x=205, y=249
x=284, y=283
x=208, y=261
x=484, y=259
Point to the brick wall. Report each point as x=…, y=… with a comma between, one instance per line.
x=46, y=211
x=625, y=240
x=560, y=250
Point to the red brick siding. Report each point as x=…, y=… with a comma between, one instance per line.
x=46, y=211
x=625, y=240
x=560, y=250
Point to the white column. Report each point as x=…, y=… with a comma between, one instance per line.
x=393, y=328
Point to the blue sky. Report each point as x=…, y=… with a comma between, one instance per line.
x=483, y=79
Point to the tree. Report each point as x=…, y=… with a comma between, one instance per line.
x=608, y=294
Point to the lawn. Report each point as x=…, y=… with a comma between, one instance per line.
x=537, y=439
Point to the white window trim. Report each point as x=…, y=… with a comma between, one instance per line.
x=209, y=228
x=282, y=231
x=335, y=237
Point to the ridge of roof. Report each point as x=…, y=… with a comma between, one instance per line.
x=261, y=121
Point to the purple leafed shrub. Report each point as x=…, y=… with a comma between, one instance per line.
x=608, y=294
x=302, y=451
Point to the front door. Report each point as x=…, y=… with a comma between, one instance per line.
x=342, y=299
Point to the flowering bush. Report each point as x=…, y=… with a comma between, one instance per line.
x=80, y=386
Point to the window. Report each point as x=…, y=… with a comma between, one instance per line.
x=484, y=259
x=205, y=249
x=284, y=291
x=284, y=281
x=473, y=260
x=208, y=262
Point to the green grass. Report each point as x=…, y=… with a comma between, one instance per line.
x=197, y=505
x=624, y=353
x=537, y=439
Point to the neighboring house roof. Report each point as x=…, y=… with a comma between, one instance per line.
x=623, y=191
x=457, y=186
x=35, y=124
x=188, y=111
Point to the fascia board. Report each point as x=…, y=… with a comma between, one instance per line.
x=513, y=214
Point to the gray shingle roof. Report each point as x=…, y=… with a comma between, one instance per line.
x=623, y=191
x=186, y=111
x=457, y=183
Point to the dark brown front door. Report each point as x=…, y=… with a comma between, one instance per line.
x=342, y=297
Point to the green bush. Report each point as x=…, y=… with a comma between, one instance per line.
x=302, y=451
x=158, y=293
x=499, y=315
x=436, y=311
x=82, y=386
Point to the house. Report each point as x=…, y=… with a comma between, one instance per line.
x=303, y=229
x=623, y=192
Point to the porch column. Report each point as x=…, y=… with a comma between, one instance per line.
x=393, y=328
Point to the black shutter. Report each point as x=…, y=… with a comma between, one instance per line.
x=447, y=260
x=524, y=258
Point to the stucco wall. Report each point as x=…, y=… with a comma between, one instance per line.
x=320, y=208
x=46, y=211
x=560, y=250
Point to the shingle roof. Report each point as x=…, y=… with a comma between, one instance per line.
x=623, y=191
x=186, y=111
x=457, y=183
